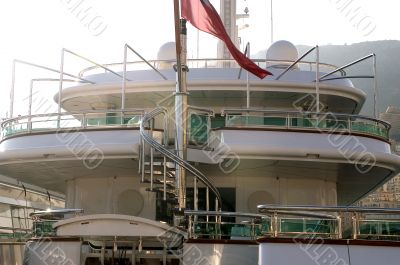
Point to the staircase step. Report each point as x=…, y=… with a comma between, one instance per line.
x=171, y=174
x=161, y=189
x=155, y=172
x=170, y=183
x=159, y=163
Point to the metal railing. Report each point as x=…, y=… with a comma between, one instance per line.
x=43, y=221
x=90, y=119
x=293, y=120
x=210, y=224
x=340, y=223
x=329, y=222
x=205, y=63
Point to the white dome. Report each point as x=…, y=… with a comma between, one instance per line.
x=167, y=51
x=284, y=51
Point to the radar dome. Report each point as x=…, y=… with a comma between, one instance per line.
x=166, y=53
x=282, y=51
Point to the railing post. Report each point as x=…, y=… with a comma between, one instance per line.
x=317, y=76
x=355, y=225
x=84, y=121
x=339, y=227
x=143, y=163
x=165, y=177
x=375, y=86
x=253, y=230
x=124, y=78
x=191, y=232
x=288, y=121
x=12, y=91
x=247, y=79
x=275, y=225
x=349, y=124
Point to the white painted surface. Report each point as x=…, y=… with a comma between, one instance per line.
x=100, y=225
x=305, y=146
x=321, y=254
x=302, y=254
x=52, y=252
x=69, y=145
x=368, y=255
x=102, y=195
x=220, y=254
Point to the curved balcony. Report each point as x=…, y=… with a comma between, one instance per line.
x=307, y=121
x=53, y=122
x=201, y=124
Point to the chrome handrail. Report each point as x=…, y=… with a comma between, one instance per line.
x=71, y=113
x=224, y=214
x=321, y=116
x=235, y=111
x=370, y=210
x=207, y=63
x=55, y=212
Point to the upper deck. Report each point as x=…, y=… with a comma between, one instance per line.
x=213, y=83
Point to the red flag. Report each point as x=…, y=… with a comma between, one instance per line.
x=202, y=15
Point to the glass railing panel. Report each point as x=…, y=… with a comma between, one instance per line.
x=379, y=229
x=44, y=228
x=305, y=226
x=15, y=128
x=301, y=122
x=229, y=230
x=217, y=122
x=326, y=122
x=275, y=121
x=256, y=121
x=112, y=119
x=198, y=130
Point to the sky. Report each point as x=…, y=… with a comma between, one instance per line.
x=36, y=31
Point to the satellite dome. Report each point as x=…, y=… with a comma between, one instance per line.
x=282, y=50
x=167, y=53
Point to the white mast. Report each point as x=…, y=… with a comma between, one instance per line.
x=180, y=105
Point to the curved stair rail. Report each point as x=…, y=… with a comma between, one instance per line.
x=172, y=156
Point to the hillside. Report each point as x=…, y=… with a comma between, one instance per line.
x=388, y=68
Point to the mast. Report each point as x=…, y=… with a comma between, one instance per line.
x=228, y=16
x=181, y=107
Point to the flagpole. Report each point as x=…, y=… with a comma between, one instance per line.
x=181, y=108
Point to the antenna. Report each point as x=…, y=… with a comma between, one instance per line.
x=272, y=22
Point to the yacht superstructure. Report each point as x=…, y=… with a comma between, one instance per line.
x=271, y=165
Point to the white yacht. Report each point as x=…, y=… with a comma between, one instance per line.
x=235, y=170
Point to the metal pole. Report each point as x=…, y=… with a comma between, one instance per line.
x=375, y=87
x=61, y=81
x=12, y=91
x=247, y=79
x=181, y=122
x=124, y=78
x=195, y=194
x=317, y=77
x=272, y=23
x=30, y=107
x=180, y=106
